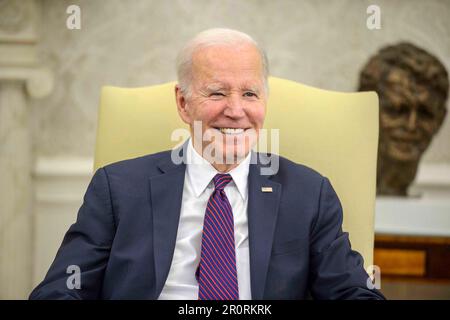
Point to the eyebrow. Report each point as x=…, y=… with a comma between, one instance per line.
x=211, y=87
x=252, y=88
x=214, y=87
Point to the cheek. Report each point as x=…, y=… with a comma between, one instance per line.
x=257, y=116
x=385, y=121
x=207, y=112
x=429, y=127
x=388, y=121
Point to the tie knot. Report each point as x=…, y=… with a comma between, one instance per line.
x=221, y=180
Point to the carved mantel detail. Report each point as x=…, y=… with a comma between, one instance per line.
x=19, y=25
x=18, y=20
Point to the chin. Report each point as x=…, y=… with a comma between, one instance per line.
x=235, y=153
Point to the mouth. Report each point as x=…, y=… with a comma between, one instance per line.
x=402, y=136
x=406, y=141
x=231, y=131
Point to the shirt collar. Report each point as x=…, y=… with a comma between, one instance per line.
x=201, y=172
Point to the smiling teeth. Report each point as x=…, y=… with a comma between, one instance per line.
x=231, y=131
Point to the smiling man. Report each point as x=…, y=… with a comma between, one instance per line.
x=211, y=227
x=224, y=88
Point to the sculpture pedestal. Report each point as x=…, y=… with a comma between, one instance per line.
x=424, y=216
x=412, y=238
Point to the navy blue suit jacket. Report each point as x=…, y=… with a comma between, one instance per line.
x=125, y=233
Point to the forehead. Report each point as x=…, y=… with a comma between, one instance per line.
x=403, y=85
x=223, y=64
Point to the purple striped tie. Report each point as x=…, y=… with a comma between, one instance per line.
x=216, y=273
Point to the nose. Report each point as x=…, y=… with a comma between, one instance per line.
x=412, y=120
x=234, y=108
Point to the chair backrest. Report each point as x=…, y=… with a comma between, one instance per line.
x=334, y=133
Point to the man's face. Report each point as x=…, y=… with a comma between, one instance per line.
x=228, y=98
x=409, y=116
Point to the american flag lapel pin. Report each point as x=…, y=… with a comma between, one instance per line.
x=266, y=189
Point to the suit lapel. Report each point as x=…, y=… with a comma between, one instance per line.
x=166, y=191
x=262, y=216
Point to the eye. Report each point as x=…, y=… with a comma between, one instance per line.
x=424, y=113
x=398, y=111
x=216, y=94
x=404, y=109
x=392, y=111
x=250, y=94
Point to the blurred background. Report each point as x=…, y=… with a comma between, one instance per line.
x=50, y=80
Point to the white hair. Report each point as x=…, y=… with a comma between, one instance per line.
x=214, y=37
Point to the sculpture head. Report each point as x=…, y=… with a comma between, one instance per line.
x=413, y=87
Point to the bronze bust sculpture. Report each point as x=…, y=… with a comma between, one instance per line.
x=412, y=86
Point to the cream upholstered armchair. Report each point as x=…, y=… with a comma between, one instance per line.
x=334, y=133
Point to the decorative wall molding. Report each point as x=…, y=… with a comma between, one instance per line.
x=63, y=166
x=19, y=26
x=60, y=183
x=61, y=180
x=19, y=69
x=18, y=21
x=38, y=80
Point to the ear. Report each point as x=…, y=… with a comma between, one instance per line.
x=182, y=107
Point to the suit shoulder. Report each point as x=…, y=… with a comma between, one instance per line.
x=301, y=169
x=289, y=171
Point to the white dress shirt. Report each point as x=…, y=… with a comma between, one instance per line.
x=198, y=186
